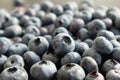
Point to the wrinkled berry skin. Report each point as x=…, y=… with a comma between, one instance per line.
x=14, y=73
x=94, y=76
x=43, y=70
x=113, y=75
x=14, y=60
x=71, y=71
x=63, y=43
x=39, y=45
x=71, y=57
x=89, y=64
x=102, y=45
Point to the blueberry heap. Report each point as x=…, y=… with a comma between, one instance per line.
x=60, y=42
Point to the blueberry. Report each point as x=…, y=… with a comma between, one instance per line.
x=71, y=71
x=18, y=3
x=16, y=40
x=71, y=5
x=50, y=28
x=89, y=64
x=36, y=6
x=115, y=54
x=107, y=34
x=59, y=30
x=80, y=47
x=102, y=45
x=89, y=42
x=99, y=14
x=109, y=65
x=52, y=57
x=1, y=32
x=115, y=31
x=89, y=3
x=34, y=21
x=117, y=24
x=30, y=12
x=14, y=73
x=5, y=44
x=58, y=10
x=40, y=14
x=95, y=26
x=17, y=48
x=43, y=70
x=63, y=43
x=47, y=6
x=84, y=15
x=76, y=25
x=83, y=34
x=50, y=41
x=71, y=57
x=31, y=57
x=63, y=20
x=113, y=75
x=39, y=45
x=32, y=30
x=113, y=14
x=14, y=60
x=24, y=21
x=115, y=43
x=69, y=12
x=108, y=23
x=94, y=76
x=102, y=7
x=12, y=21
x=27, y=37
x=49, y=18
x=117, y=37
x=12, y=31
x=43, y=31
x=85, y=7
x=91, y=52
x=3, y=59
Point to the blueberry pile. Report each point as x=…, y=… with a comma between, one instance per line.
x=60, y=42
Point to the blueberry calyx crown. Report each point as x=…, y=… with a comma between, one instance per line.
x=94, y=74
x=12, y=70
x=113, y=61
x=43, y=62
x=68, y=66
x=37, y=41
x=66, y=39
